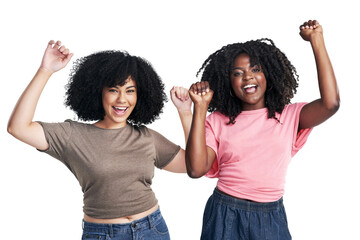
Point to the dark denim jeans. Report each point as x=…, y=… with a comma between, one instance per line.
x=152, y=227
x=229, y=218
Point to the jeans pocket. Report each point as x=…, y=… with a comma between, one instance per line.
x=161, y=227
x=209, y=213
x=94, y=236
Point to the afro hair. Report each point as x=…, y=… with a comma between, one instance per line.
x=92, y=73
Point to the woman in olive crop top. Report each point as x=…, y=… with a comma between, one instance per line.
x=114, y=158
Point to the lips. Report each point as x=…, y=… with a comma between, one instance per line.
x=250, y=88
x=120, y=110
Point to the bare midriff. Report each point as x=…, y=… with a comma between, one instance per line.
x=127, y=219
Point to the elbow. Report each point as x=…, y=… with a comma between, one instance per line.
x=192, y=170
x=333, y=106
x=10, y=129
x=194, y=174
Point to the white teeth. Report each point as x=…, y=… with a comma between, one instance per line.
x=120, y=108
x=249, y=86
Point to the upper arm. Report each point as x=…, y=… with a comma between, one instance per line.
x=211, y=156
x=33, y=135
x=315, y=113
x=177, y=164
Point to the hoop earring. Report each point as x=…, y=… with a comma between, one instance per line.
x=231, y=93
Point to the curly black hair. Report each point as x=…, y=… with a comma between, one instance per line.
x=281, y=76
x=92, y=73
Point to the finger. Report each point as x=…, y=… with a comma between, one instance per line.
x=66, y=51
x=207, y=86
x=306, y=25
x=177, y=92
x=199, y=88
x=50, y=44
x=316, y=23
x=311, y=24
x=62, y=48
x=184, y=93
x=57, y=44
x=68, y=58
x=193, y=88
x=204, y=87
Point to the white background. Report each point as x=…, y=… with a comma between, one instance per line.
x=41, y=199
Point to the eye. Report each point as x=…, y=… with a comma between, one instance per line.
x=113, y=90
x=237, y=74
x=256, y=69
x=131, y=90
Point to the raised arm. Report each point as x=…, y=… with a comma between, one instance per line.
x=181, y=99
x=323, y=108
x=21, y=124
x=199, y=158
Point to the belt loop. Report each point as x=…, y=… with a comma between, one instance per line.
x=150, y=221
x=111, y=231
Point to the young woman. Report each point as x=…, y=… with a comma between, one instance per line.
x=114, y=158
x=249, y=139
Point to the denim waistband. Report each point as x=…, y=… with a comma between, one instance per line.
x=146, y=222
x=246, y=205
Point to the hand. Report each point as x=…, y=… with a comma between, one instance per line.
x=181, y=99
x=310, y=29
x=55, y=57
x=200, y=93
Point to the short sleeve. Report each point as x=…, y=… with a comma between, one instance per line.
x=212, y=142
x=299, y=137
x=165, y=149
x=57, y=135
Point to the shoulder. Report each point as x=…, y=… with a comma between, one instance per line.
x=216, y=117
x=291, y=111
x=77, y=125
x=294, y=107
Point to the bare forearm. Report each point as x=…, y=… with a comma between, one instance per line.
x=327, y=81
x=186, y=118
x=24, y=110
x=196, y=153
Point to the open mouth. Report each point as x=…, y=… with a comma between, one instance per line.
x=120, y=110
x=251, y=88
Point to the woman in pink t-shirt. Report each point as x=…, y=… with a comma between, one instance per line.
x=249, y=139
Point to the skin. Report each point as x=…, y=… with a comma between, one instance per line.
x=243, y=76
x=199, y=157
x=22, y=126
x=124, y=97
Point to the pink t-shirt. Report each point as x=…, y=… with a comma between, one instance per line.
x=253, y=154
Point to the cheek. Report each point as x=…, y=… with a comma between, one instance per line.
x=133, y=100
x=261, y=79
x=235, y=84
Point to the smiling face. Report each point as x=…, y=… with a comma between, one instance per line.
x=118, y=103
x=248, y=83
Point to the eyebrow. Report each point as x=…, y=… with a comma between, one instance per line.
x=240, y=68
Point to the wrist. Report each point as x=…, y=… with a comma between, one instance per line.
x=185, y=112
x=316, y=38
x=200, y=108
x=45, y=70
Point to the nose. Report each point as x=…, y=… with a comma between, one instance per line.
x=121, y=98
x=248, y=75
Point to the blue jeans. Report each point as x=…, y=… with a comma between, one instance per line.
x=226, y=217
x=152, y=227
